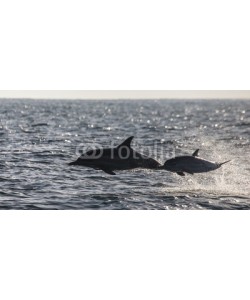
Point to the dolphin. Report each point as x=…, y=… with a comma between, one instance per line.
x=122, y=157
x=191, y=164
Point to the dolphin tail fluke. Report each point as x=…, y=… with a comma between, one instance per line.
x=224, y=162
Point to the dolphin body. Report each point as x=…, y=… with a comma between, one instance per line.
x=190, y=164
x=122, y=157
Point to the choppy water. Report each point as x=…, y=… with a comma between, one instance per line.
x=39, y=138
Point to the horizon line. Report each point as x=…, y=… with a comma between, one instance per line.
x=126, y=99
x=125, y=94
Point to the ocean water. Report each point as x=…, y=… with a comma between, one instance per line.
x=40, y=137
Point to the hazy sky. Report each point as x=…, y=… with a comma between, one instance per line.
x=125, y=94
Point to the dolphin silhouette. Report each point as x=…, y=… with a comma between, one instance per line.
x=191, y=164
x=122, y=157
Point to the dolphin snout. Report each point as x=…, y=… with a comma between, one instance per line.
x=72, y=163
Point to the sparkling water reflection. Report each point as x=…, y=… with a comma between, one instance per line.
x=39, y=138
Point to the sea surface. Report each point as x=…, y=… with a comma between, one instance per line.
x=40, y=137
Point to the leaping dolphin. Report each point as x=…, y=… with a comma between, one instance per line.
x=191, y=164
x=122, y=157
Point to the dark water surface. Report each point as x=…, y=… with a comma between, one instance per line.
x=40, y=137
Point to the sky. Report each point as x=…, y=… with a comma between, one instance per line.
x=118, y=94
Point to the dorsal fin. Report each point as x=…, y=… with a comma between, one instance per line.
x=195, y=152
x=126, y=143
